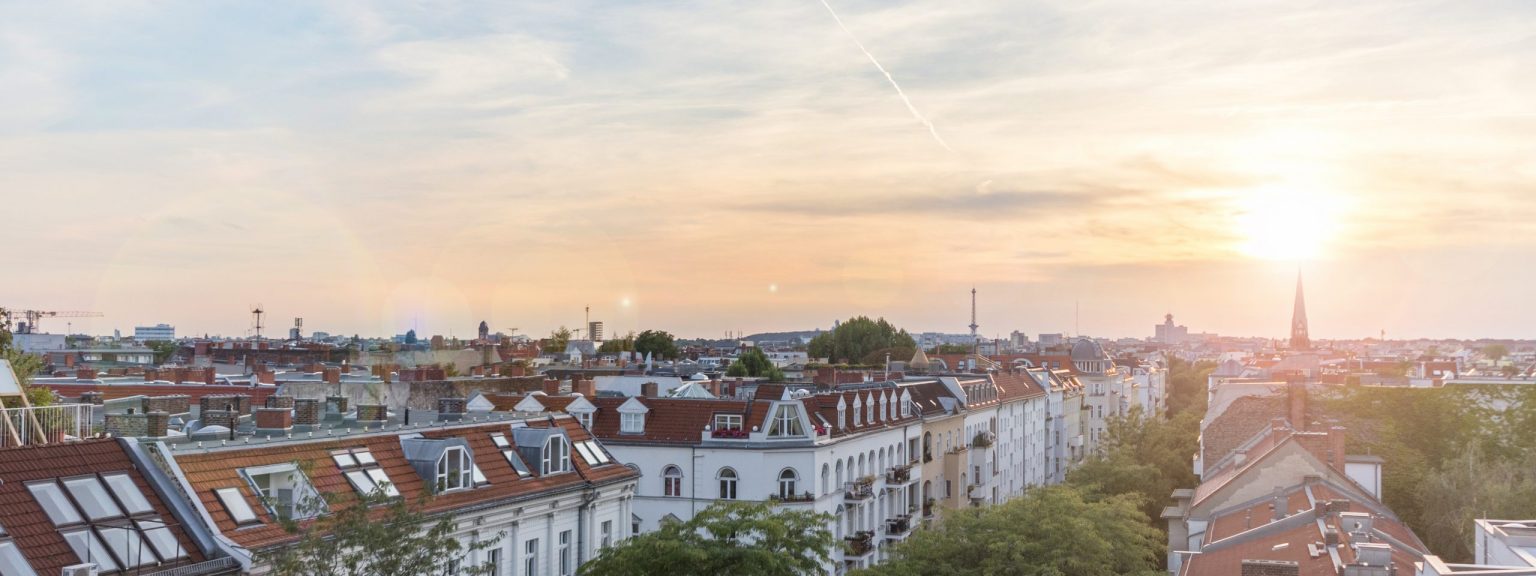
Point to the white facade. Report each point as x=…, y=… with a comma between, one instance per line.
x=153, y=333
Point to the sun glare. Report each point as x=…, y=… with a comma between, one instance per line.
x=1282, y=223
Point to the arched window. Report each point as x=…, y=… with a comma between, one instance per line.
x=727, y=484
x=672, y=481
x=839, y=474
x=882, y=461
x=557, y=456
x=826, y=479
x=861, y=466
x=927, y=446
x=787, y=480
x=454, y=470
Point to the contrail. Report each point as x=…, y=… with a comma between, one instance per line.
x=903, y=95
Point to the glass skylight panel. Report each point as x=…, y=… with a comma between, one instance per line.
x=52, y=499
x=127, y=545
x=11, y=561
x=162, y=539
x=89, y=549
x=478, y=477
x=361, y=482
x=500, y=440
x=586, y=454
x=364, y=457
x=517, y=463
x=236, y=505
x=381, y=479
x=92, y=498
x=128, y=493
x=344, y=459
x=597, y=452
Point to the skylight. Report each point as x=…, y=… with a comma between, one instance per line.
x=127, y=545
x=510, y=453
x=52, y=499
x=363, y=472
x=586, y=453
x=88, y=548
x=597, y=452
x=381, y=479
x=161, y=538
x=235, y=504
x=11, y=561
x=128, y=493
x=92, y=498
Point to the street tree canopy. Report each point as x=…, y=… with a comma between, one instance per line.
x=855, y=339
x=658, y=343
x=1050, y=531
x=375, y=535
x=755, y=363
x=738, y=538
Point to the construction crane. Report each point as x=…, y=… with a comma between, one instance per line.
x=34, y=316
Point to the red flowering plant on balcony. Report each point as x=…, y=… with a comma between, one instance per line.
x=728, y=433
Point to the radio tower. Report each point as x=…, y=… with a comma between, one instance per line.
x=973, y=313
x=256, y=312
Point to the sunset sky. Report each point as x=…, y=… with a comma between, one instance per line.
x=709, y=166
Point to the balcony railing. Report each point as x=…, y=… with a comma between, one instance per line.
x=45, y=424
x=732, y=433
x=861, y=543
x=801, y=497
x=899, y=475
x=899, y=526
x=861, y=489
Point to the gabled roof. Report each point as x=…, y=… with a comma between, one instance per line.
x=29, y=526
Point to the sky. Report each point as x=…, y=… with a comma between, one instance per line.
x=703, y=167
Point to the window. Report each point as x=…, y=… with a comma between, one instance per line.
x=54, y=503
x=235, y=504
x=493, y=561
x=597, y=453
x=634, y=525
x=607, y=533
x=632, y=423
x=285, y=491
x=161, y=538
x=565, y=553
x=842, y=416
x=787, y=480
x=531, y=556
x=510, y=453
x=556, y=456
x=363, y=472
x=454, y=470
x=88, y=548
x=786, y=422
x=11, y=562
x=128, y=493
x=672, y=481
x=826, y=471
x=727, y=484
x=127, y=545
x=727, y=421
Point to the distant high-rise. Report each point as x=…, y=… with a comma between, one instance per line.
x=485, y=331
x=595, y=331
x=1299, y=338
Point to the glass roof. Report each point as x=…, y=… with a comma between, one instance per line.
x=11, y=562
x=236, y=505
x=52, y=499
x=128, y=493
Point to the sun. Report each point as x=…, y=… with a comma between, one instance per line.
x=1284, y=223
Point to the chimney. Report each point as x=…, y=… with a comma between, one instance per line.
x=714, y=388
x=274, y=419
x=1297, y=392
x=331, y=375
x=551, y=387
x=157, y=424
x=306, y=411
x=648, y=389
x=586, y=387
x=1278, y=502
x=450, y=408
x=1270, y=568
x=1336, y=447
x=85, y=374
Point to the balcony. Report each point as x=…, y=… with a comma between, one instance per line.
x=859, y=547
x=859, y=490
x=898, y=528
x=729, y=433
x=792, y=498
x=45, y=424
x=898, y=476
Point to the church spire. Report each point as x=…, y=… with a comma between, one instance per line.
x=1299, y=338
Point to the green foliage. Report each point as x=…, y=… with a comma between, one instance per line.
x=25, y=365
x=1144, y=457
x=753, y=362
x=855, y=339
x=895, y=353
x=375, y=535
x=1050, y=531
x=658, y=343
x=1496, y=352
x=1187, y=386
x=1398, y=370
x=163, y=349
x=738, y=538
x=625, y=344
x=1472, y=486
x=950, y=349
x=558, y=339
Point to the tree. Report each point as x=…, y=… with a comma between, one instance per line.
x=558, y=339
x=753, y=362
x=23, y=364
x=1146, y=457
x=739, y=538
x=163, y=349
x=950, y=349
x=1050, y=531
x=856, y=338
x=1472, y=486
x=375, y=535
x=1187, y=386
x=658, y=343
x=1496, y=352
x=615, y=346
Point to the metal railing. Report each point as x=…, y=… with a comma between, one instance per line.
x=216, y=566
x=45, y=424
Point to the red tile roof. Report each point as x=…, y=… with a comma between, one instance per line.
x=258, y=394
x=212, y=470
x=23, y=518
x=670, y=420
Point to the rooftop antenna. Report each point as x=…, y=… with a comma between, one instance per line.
x=256, y=312
x=973, y=313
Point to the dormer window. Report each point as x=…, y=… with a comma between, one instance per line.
x=285, y=491
x=557, y=456
x=786, y=422
x=727, y=421
x=454, y=470
x=632, y=423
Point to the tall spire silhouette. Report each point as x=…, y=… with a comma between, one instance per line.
x=1299, y=338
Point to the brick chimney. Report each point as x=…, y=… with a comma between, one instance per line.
x=1270, y=568
x=279, y=401
x=157, y=424
x=85, y=374
x=587, y=387
x=306, y=411
x=551, y=386
x=649, y=389
x=1336, y=447
x=714, y=388
x=1296, y=392
x=92, y=397
x=372, y=413
x=274, y=418
x=331, y=375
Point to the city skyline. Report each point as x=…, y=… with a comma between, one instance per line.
x=704, y=168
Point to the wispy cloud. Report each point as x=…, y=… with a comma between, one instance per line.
x=904, y=99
